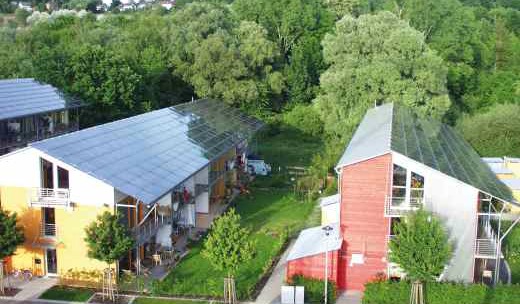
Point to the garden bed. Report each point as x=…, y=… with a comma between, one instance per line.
x=64, y=293
x=165, y=301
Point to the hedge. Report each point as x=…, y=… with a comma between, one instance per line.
x=314, y=289
x=387, y=292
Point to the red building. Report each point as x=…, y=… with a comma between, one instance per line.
x=395, y=163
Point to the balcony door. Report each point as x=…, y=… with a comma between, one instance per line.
x=48, y=222
x=51, y=259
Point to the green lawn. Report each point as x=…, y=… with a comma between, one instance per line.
x=162, y=301
x=266, y=213
x=64, y=293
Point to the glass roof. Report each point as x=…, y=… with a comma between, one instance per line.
x=145, y=156
x=440, y=147
x=24, y=97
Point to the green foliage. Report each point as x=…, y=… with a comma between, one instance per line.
x=304, y=118
x=441, y=293
x=11, y=235
x=314, y=289
x=21, y=16
x=378, y=58
x=107, y=239
x=420, y=246
x=69, y=294
x=228, y=244
x=495, y=132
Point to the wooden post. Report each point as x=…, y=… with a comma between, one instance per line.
x=2, y=287
x=417, y=294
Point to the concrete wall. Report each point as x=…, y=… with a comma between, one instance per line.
x=456, y=205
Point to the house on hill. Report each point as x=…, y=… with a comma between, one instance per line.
x=165, y=172
x=32, y=111
x=396, y=163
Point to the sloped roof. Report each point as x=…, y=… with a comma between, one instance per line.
x=313, y=241
x=146, y=155
x=26, y=96
x=396, y=128
x=512, y=183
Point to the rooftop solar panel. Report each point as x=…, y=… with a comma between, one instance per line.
x=23, y=97
x=145, y=156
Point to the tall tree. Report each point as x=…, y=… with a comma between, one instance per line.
x=375, y=59
x=228, y=246
x=11, y=235
x=420, y=247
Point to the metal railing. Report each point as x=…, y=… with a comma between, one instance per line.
x=149, y=226
x=486, y=247
x=47, y=197
x=399, y=206
x=48, y=230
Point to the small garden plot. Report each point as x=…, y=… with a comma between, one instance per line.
x=165, y=301
x=64, y=293
x=269, y=214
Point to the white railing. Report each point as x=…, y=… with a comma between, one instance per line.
x=399, y=206
x=486, y=247
x=149, y=225
x=46, y=197
x=48, y=230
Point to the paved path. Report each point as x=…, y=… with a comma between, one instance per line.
x=30, y=290
x=349, y=297
x=270, y=294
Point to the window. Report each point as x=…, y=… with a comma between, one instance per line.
x=398, y=186
x=63, y=178
x=47, y=180
x=416, y=189
x=407, y=187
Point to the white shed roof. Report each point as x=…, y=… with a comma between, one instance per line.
x=313, y=241
x=329, y=200
x=513, y=183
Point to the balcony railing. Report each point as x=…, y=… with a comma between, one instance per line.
x=48, y=230
x=47, y=197
x=487, y=245
x=201, y=188
x=149, y=225
x=399, y=206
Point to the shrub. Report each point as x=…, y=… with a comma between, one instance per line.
x=304, y=118
x=314, y=289
x=387, y=292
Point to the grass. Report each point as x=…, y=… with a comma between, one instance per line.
x=64, y=293
x=267, y=213
x=164, y=301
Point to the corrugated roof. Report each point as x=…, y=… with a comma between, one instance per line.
x=26, y=96
x=372, y=137
x=329, y=200
x=146, y=155
x=313, y=241
x=396, y=128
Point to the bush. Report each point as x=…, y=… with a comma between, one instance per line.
x=387, y=292
x=314, y=289
x=304, y=118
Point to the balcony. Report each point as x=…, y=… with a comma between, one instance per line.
x=46, y=197
x=48, y=230
x=14, y=140
x=486, y=245
x=399, y=206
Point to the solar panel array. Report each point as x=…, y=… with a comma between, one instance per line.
x=23, y=97
x=145, y=156
x=440, y=147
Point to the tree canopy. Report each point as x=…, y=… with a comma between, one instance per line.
x=376, y=59
x=420, y=246
x=107, y=239
x=494, y=133
x=228, y=244
x=11, y=235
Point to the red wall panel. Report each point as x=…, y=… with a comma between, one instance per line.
x=364, y=187
x=313, y=267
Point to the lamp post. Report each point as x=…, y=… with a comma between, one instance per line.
x=327, y=230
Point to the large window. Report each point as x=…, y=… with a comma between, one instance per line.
x=399, y=186
x=47, y=180
x=63, y=178
x=407, y=187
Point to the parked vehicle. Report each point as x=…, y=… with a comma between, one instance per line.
x=257, y=166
